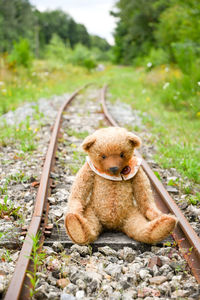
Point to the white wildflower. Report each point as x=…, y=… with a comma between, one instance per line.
x=198, y=83
x=149, y=65
x=165, y=85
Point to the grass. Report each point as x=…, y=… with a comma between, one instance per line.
x=175, y=133
x=7, y=208
x=37, y=257
x=21, y=135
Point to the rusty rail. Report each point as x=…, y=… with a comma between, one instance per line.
x=184, y=235
x=17, y=289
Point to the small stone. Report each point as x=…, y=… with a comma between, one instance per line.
x=180, y=293
x=132, y=294
x=144, y=274
x=113, y=270
x=107, y=251
x=54, y=265
x=116, y=295
x=48, y=250
x=81, y=284
x=172, y=189
x=165, y=269
x=154, y=261
x=63, y=282
x=127, y=254
x=67, y=297
x=53, y=296
x=71, y=288
x=52, y=200
x=80, y=295
x=82, y=250
x=58, y=213
x=142, y=293
x=57, y=247
x=157, y=280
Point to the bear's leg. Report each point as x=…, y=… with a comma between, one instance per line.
x=83, y=229
x=139, y=228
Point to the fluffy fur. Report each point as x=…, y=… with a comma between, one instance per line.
x=96, y=203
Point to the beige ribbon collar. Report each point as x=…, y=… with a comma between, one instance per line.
x=134, y=165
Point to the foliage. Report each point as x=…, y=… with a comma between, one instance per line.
x=37, y=257
x=21, y=54
x=16, y=20
x=56, y=49
x=62, y=24
x=134, y=34
x=155, y=58
x=22, y=135
x=98, y=42
x=7, y=208
x=82, y=56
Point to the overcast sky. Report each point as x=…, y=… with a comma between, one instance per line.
x=94, y=14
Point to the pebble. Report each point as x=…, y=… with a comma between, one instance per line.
x=80, y=295
x=57, y=247
x=157, y=280
x=67, y=297
x=63, y=282
x=107, y=251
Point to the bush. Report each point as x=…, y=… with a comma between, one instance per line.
x=155, y=58
x=21, y=54
x=185, y=56
x=82, y=56
x=57, y=50
x=183, y=93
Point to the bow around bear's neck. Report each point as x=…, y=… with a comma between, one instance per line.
x=127, y=173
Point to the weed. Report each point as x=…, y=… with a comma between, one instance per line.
x=23, y=134
x=157, y=175
x=6, y=256
x=19, y=177
x=187, y=189
x=78, y=134
x=7, y=208
x=173, y=182
x=37, y=258
x=194, y=200
x=4, y=188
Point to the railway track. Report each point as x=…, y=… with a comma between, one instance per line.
x=185, y=240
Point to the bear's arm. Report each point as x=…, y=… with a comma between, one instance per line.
x=143, y=195
x=81, y=188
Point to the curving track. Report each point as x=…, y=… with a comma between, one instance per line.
x=184, y=235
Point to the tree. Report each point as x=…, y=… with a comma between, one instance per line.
x=134, y=34
x=16, y=19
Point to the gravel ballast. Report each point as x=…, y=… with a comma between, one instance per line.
x=82, y=272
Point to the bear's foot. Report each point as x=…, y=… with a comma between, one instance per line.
x=79, y=229
x=160, y=228
x=76, y=228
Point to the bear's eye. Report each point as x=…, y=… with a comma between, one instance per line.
x=103, y=156
x=122, y=155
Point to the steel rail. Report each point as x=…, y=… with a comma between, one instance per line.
x=184, y=235
x=17, y=287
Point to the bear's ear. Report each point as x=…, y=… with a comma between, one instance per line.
x=134, y=139
x=88, y=142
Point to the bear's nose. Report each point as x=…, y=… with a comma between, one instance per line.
x=114, y=170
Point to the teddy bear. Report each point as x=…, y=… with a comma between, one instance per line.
x=111, y=191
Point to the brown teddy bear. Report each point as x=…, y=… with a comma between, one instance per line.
x=112, y=191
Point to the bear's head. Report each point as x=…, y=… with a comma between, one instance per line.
x=110, y=149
